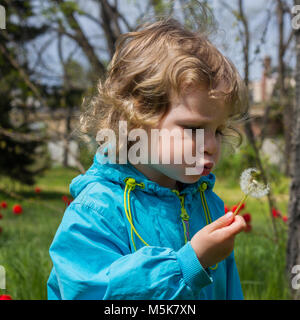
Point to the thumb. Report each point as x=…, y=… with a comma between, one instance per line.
x=223, y=221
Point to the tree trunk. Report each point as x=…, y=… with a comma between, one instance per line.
x=283, y=98
x=293, y=246
x=247, y=126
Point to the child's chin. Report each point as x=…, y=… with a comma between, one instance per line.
x=190, y=178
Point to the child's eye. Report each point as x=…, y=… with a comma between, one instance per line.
x=218, y=132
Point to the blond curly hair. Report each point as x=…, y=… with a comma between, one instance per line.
x=150, y=63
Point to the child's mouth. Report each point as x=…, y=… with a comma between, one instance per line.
x=207, y=169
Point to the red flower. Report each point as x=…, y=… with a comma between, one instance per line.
x=285, y=218
x=3, y=205
x=37, y=189
x=17, y=209
x=276, y=213
x=5, y=297
x=235, y=207
x=1, y=216
x=65, y=199
x=248, y=227
x=226, y=209
x=247, y=217
x=242, y=206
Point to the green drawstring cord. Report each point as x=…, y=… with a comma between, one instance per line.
x=184, y=217
x=202, y=188
x=130, y=185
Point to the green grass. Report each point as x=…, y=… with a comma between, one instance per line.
x=25, y=240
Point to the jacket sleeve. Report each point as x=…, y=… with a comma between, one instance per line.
x=92, y=260
x=234, y=289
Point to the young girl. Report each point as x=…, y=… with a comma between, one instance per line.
x=148, y=230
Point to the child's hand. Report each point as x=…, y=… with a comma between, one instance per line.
x=215, y=242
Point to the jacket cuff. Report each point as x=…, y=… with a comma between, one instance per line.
x=193, y=273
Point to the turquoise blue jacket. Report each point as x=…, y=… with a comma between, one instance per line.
x=126, y=237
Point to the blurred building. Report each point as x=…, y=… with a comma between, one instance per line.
x=261, y=90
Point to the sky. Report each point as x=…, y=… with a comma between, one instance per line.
x=225, y=38
x=257, y=13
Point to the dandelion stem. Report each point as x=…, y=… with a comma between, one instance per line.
x=242, y=201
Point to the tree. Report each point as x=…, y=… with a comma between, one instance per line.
x=293, y=246
x=286, y=104
x=20, y=146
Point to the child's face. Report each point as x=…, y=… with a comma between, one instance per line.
x=194, y=109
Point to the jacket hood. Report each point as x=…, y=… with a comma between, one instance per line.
x=102, y=169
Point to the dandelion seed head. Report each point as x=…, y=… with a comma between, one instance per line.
x=251, y=185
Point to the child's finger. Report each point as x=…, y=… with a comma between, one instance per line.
x=221, y=222
x=235, y=227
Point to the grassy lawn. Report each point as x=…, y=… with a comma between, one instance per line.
x=25, y=239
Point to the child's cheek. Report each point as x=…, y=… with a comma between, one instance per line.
x=179, y=150
x=171, y=150
x=189, y=152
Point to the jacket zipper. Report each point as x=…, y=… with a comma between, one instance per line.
x=185, y=220
x=184, y=217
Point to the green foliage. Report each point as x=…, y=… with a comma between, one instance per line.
x=66, y=7
x=86, y=153
x=231, y=165
x=69, y=7
x=19, y=156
